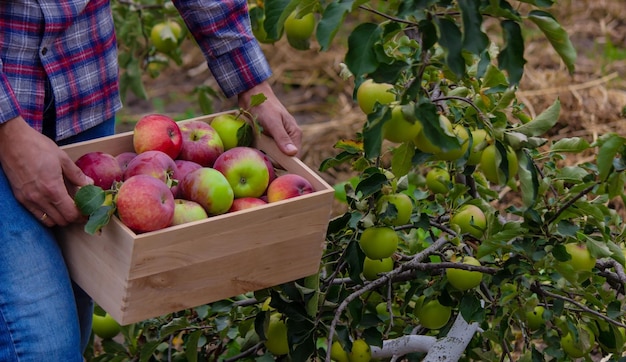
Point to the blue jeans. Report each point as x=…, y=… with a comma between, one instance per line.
x=44, y=316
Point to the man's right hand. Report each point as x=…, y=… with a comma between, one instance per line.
x=38, y=171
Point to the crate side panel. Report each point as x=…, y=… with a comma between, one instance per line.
x=230, y=235
x=224, y=277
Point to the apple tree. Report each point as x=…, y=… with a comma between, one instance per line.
x=468, y=234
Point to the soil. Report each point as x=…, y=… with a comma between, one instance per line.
x=593, y=98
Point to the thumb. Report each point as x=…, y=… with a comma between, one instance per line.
x=74, y=175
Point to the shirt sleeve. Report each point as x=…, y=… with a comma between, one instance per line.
x=222, y=30
x=9, y=107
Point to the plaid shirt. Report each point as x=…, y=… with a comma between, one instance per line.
x=72, y=43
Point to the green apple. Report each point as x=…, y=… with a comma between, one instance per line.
x=299, y=30
x=464, y=279
x=276, y=335
x=578, y=346
x=208, y=187
x=454, y=154
x=246, y=171
x=372, y=268
x=438, y=180
x=337, y=353
x=479, y=138
x=166, y=36
x=233, y=131
x=403, y=205
x=490, y=161
x=534, y=318
x=422, y=142
x=187, y=211
x=432, y=314
x=398, y=129
x=378, y=242
x=470, y=219
x=360, y=352
x=370, y=92
x=104, y=326
x=581, y=258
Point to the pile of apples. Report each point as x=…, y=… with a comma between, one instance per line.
x=187, y=171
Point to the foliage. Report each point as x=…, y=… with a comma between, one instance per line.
x=441, y=61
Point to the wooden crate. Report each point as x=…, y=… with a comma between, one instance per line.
x=139, y=276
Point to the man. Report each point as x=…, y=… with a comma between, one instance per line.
x=58, y=85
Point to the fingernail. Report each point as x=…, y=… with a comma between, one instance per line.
x=291, y=148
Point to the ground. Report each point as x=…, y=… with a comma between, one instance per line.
x=308, y=83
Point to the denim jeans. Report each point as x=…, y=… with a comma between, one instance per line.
x=44, y=316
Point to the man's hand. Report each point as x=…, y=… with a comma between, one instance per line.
x=40, y=173
x=277, y=122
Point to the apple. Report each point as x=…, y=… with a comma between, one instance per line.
x=422, y=142
x=245, y=169
x=378, y=242
x=233, y=131
x=287, y=186
x=337, y=353
x=201, y=143
x=104, y=326
x=299, y=30
x=580, y=345
x=491, y=161
x=165, y=36
x=370, y=92
x=270, y=166
x=124, y=158
x=432, y=314
x=246, y=203
x=187, y=211
x=208, y=187
x=470, y=219
x=102, y=167
x=479, y=140
x=373, y=267
x=145, y=203
x=183, y=167
x=464, y=279
x=276, y=335
x=581, y=258
x=403, y=209
x=153, y=163
x=360, y=352
x=398, y=129
x=454, y=154
x=157, y=132
x=534, y=318
x=438, y=180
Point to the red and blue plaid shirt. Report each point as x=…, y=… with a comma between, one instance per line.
x=72, y=44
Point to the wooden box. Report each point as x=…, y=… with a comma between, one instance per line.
x=139, y=276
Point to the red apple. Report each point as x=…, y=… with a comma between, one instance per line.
x=201, y=143
x=246, y=203
x=187, y=211
x=209, y=188
x=153, y=163
x=245, y=170
x=102, y=167
x=157, y=132
x=124, y=158
x=268, y=163
x=183, y=167
x=145, y=203
x=287, y=186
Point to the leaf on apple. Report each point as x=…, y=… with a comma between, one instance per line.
x=99, y=218
x=89, y=198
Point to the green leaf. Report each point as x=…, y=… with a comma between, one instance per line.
x=493, y=77
x=556, y=35
x=99, y=218
x=257, y=99
x=511, y=58
x=449, y=38
x=543, y=122
x=173, y=326
x=191, y=347
x=371, y=184
x=89, y=198
x=606, y=153
x=332, y=18
x=471, y=309
x=401, y=161
x=361, y=55
x=373, y=132
x=529, y=179
x=474, y=40
x=276, y=11
x=148, y=349
x=570, y=144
